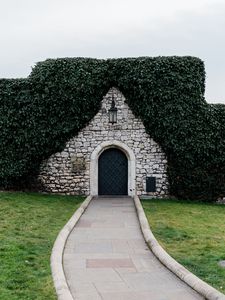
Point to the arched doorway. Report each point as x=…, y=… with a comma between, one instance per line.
x=94, y=174
x=113, y=172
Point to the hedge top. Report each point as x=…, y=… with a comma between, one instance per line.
x=60, y=96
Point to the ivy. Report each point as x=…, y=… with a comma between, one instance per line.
x=39, y=114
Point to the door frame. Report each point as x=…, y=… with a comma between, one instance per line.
x=106, y=163
x=94, y=166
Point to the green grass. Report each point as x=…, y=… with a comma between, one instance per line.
x=192, y=233
x=29, y=224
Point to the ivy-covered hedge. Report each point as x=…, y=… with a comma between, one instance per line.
x=40, y=113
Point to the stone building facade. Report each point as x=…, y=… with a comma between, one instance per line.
x=77, y=170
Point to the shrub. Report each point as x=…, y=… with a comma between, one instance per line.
x=40, y=113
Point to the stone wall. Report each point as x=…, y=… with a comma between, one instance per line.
x=68, y=172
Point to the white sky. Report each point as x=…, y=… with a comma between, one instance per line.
x=33, y=30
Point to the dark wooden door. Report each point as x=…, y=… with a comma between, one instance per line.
x=112, y=172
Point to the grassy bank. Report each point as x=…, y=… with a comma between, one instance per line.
x=192, y=233
x=29, y=224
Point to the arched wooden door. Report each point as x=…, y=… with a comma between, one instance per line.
x=112, y=172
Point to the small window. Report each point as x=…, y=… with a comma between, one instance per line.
x=150, y=184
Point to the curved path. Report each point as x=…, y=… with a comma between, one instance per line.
x=106, y=257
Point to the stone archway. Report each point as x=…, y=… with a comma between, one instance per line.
x=94, y=166
x=113, y=172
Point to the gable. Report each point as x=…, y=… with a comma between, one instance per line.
x=70, y=171
x=125, y=118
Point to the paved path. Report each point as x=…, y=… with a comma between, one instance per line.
x=106, y=258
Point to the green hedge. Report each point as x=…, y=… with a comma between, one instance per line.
x=40, y=113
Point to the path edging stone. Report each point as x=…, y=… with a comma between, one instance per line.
x=204, y=289
x=59, y=279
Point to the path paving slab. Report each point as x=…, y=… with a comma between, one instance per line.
x=106, y=258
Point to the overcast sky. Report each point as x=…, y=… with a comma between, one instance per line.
x=33, y=30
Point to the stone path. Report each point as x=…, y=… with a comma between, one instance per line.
x=106, y=258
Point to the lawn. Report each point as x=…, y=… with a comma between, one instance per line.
x=29, y=224
x=193, y=234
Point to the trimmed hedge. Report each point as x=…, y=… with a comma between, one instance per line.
x=40, y=113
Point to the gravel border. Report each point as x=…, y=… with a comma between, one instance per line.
x=204, y=289
x=59, y=279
